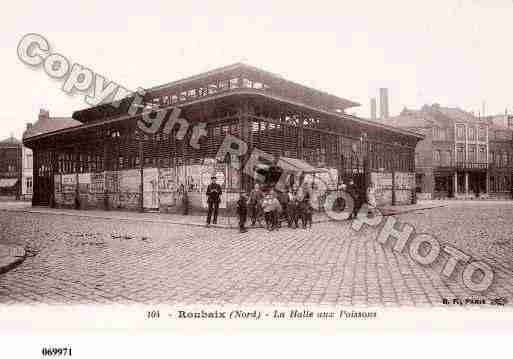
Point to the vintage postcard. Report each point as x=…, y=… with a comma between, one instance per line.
x=259, y=166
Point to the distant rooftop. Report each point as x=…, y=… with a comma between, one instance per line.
x=11, y=141
x=430, y=115
x=46, y=124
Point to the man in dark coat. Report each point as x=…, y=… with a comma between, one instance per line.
x=214, y=193
x=255, y=204
x=352, y=190
x=283, y=197
x=293, y=210
x=242, y=212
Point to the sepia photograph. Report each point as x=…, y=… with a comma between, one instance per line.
x=255, y=166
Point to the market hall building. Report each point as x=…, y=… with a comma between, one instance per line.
x=102, y=159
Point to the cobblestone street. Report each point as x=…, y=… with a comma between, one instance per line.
x=75, y=260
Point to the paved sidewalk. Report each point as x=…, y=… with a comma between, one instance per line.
x=10, y=256
x=198, y=220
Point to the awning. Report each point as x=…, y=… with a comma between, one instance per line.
x=7, y=182
x=295, y=164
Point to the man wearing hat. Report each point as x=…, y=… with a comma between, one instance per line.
x=214, y=192
x=242, y=211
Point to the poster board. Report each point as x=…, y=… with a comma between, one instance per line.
x=68, y=183
x=57, y=183
x=84, y=183
x=150, y=188
x=168, y=187
x=97, y=182
x=112, y=181
x=130, y=181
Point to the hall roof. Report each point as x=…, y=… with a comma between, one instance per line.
x=271, y=86
x=269, y=83
x=278, y=82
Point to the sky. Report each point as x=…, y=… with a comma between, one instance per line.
x=457, y=53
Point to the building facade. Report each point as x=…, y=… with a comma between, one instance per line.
x=10, y=168
x=26, y=174
x=111, y=157
x=461, y=155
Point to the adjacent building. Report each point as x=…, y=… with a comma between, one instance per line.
x=10, y=168
x=102, y=157
x=26, y=174
x=15, y=170
x=461, y=155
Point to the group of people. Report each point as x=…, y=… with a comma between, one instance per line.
x=274, y=207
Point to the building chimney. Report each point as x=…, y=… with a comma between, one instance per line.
x=44, y=114
x=373, y=108
x=383, y=103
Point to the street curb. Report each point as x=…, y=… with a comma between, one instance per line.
x=148, y=220
x=392, y=213
x=16, y=260
x=165, y=221
x=411, y=210
x=117, y=218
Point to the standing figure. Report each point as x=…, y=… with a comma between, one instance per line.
x=255, y=204
x=214, y=193
x=371, y=196
x=306, y=213
x=283, y=198
x=242, y=212
x=277, y=210
x=353, y=192
x=293, y=210
x=267, y=206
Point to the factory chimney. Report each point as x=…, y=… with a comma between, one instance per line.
x=383, y=103
x=373, y=108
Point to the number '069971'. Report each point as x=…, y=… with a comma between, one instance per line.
x=55, y=352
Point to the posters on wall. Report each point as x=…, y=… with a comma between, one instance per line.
x=404, y=180
x=129, y=181
x=57, y=183
x=180, y=177
x=168, y=187
x=382, y=180
x=84, y=182
x=68, y=183
x=233, y=179
x=112, y=181
x=194, y=177
x=150, y=188
x=97, y=182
